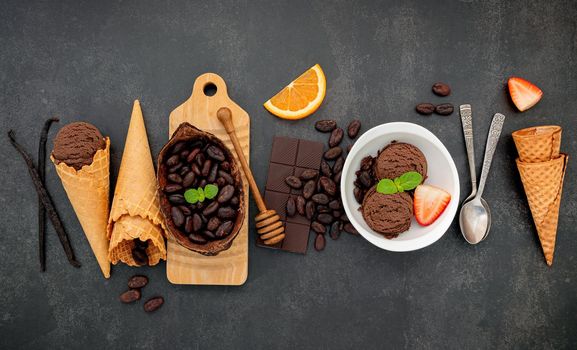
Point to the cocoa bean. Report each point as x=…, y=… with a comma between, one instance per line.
x=425, y=108
x=320, y=198
x=290, y=207
x=318, y=227
x=441, y=89
x=192, y=155
x=338, y=166
x=172, y=188
x=213, y=223
x=444, y=109
x=177, y=216
x=336, y=137
x=215, y=153
x=308, y=174
x=293, y=182
x=226, y=194
x=210, y=209
x=153, y=304
x=335, y=230
x=354, y=128
x=300, y=204
x=206, y=167
x=327, y=125
x=188, y=179
x=137, y=281
x=325, y=218
x=130, y=296
x=320, y=242
x=328, y=185
x=333, y=153
x=310, y=210
x=196, y=238
x=224, y=229
x=326, y=169
x=175, y=178
x=226, y=213
x=309, y=189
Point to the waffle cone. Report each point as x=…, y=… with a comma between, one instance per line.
x=543, y=184
x=538, y=144
x=88, y=191
x=135, y=212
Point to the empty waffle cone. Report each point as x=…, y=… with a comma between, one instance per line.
x=88, y=191
x=543, y=184
x=538, y=144
x=135, y=212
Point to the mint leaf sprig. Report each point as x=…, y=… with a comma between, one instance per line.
x=193, y=195
x=406, y=182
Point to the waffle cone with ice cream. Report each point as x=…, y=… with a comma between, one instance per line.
x=135, y=215
x=81, y=156
x=542, y=169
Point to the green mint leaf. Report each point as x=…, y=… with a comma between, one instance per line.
x=386, y=186
x=191, y=196
x=210, y=191
x=201, y=195
x=410, y=180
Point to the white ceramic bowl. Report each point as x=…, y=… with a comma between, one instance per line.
x=441, y=172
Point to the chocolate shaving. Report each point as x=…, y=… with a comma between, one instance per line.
x=46, y=201
x=41, y=210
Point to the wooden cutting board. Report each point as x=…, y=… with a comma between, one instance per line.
x=229, y=267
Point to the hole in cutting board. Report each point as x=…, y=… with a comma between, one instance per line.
x=209, y=89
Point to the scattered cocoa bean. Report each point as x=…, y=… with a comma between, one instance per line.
x=130, y=296
x=425, y=108
x=327, y=125
x=441, y=89
x=153, y=304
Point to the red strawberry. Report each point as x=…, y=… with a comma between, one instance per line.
x=429, y=203
x=523, y=93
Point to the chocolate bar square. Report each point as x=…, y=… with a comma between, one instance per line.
x=298, y=239
x=284, y=150
x=310, y=154
x=277, y=202
x=277, y=173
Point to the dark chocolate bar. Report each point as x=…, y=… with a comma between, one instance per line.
x=290, y=156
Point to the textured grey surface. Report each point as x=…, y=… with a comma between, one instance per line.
x=82, y=60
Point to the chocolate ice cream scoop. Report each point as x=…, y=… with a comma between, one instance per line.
x=399, y=158
x=388, y=214
x=76, y=143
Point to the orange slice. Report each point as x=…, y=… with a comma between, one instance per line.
x=300, y=98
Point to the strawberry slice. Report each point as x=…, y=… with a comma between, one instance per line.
x=523, y=93
x=429, y=203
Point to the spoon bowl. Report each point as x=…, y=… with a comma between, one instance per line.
x=475, y=220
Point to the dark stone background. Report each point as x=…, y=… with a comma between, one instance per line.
x=88, y=60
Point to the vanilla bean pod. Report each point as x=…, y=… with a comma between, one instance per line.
x=46, y=201
x=41, y=210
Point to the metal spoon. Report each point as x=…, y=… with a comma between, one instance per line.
x=475, y=216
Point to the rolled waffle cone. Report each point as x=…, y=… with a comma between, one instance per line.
x=88, y=191
x=538, y=144
x=135, y=212
x=543, y=184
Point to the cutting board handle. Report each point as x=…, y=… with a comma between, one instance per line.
x=209, y=86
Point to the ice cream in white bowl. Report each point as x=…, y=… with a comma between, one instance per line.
x=441, y=173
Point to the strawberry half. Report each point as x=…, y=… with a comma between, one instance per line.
x=523, y=93
x=429, y=203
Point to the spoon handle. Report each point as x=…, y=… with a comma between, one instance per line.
x=492, y=140
x=467, y=121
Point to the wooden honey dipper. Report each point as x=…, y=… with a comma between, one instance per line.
x=268, y=224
